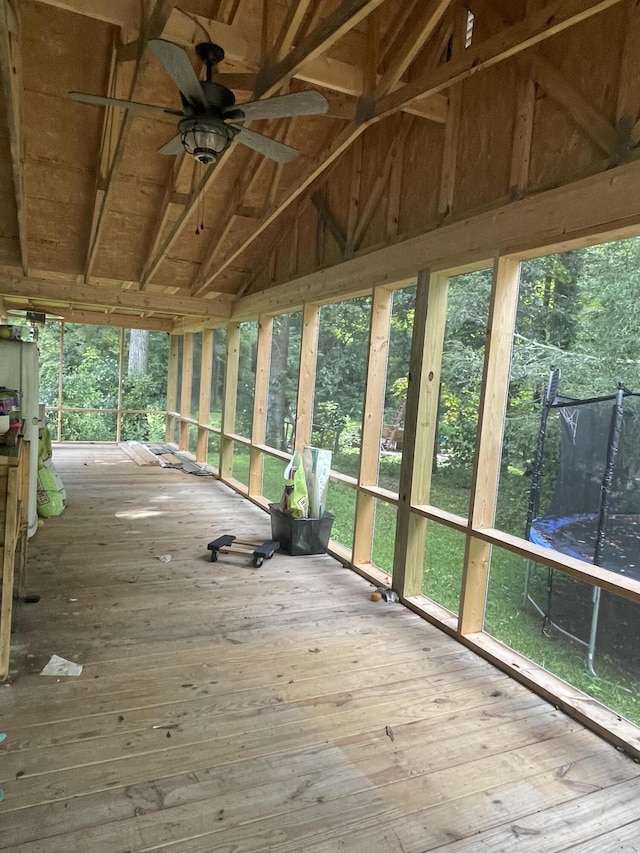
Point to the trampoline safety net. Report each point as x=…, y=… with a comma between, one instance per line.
x=585, y=502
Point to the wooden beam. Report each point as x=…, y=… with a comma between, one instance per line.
x=421, y=30
x=154, y=29
x=421, y=422
x=486, y=472
x=97, y=295
x=185, y=389
x=319, y=166
x=577, y=106
x=374, y=196
x=331, y=223
x=344, y=18
x=204, y=399
x=11, y=73
x=229, y=400
x=290, y=27
x=540, y=25
x=93, y=318
x=260, y=404
x=174, y=200
x=247, y=167
x=307, y=375
x=373, y=410
x=172, y=387
x=523, y=133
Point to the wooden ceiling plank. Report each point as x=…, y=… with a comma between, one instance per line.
x=421, y=30
x=346, y=16
x=154, y=28
x=91, y=294
x=11, y=73
x=536, y=28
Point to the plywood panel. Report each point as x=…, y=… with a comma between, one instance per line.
x=485, y=139
x=591, y=59
x=560, y=151
x=57, y=235
x=421, y=177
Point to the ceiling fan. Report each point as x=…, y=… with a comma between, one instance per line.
x=209, y=112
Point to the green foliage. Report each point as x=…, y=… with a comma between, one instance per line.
x=90, y=380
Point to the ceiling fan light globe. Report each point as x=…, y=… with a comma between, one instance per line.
x=203, y=139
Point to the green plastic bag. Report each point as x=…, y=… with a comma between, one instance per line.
x=49, y=499
x=295, y=501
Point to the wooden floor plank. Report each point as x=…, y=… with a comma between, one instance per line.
x=294, y=713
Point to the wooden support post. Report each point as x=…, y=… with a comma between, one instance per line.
x=120, y=384
x=523, y=133
x=204, y=403
x=493, y=403
x=10, y=539
x=421, y=421
x=172, y=387
x=307, y=375
x=230, y=397
x=185, y=389
x=372, y=422
x=60, y=384
x=258, y=431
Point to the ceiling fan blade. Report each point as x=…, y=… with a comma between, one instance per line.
x=277, y=151
x=173, y=146
x=100, y=101
x=298, y=104
x=178, y=66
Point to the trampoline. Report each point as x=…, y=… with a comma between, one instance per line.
x=586, y=474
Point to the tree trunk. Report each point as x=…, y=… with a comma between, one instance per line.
x=138, y=352
x=277, y=404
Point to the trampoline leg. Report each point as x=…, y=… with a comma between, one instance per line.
x=527, y=576
x=594, y=629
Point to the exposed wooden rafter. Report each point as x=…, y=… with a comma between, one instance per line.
x=153, y=28
x=94, y=318
x=420, y=30
x=96, y=295
x=11, y=73
x=289, y=29
x=344, y=18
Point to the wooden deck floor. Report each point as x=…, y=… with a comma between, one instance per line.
x=223, y=708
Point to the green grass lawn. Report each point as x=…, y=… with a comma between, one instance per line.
x=506, y=618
